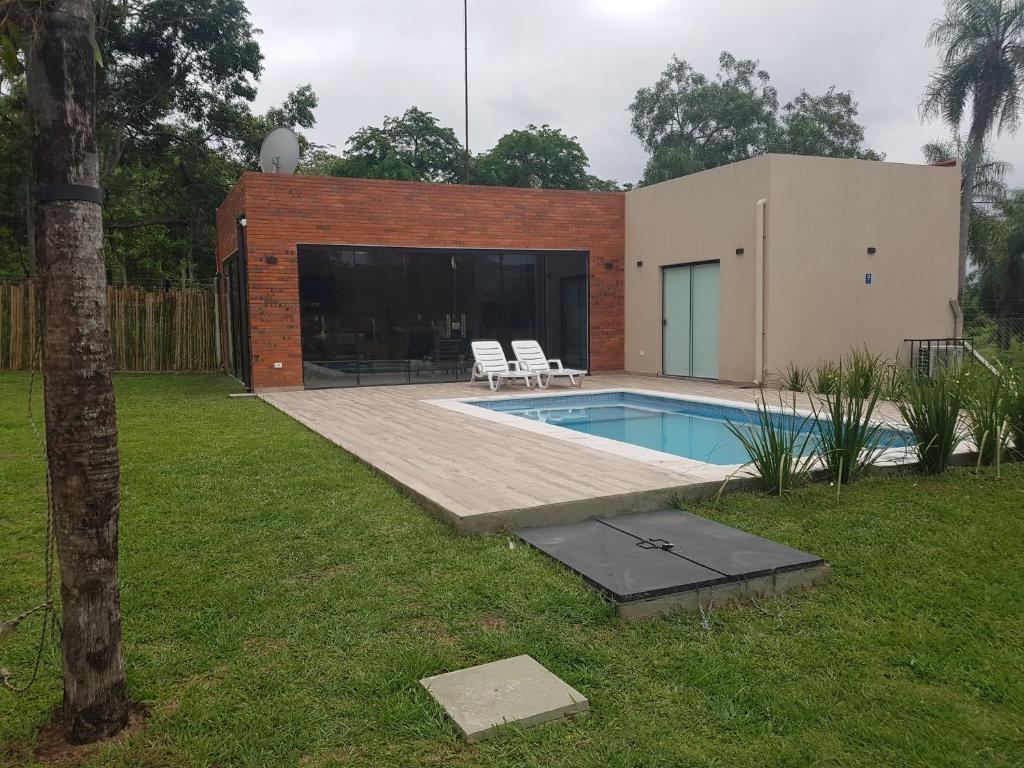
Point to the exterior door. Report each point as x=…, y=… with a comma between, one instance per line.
x=237, y=292
x=573, y=316
x=676, y=321
x=704, y=305
x=690, y=312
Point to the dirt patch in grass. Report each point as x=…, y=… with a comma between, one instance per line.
x=494, y=624
x=51, y=748
x=433, y=629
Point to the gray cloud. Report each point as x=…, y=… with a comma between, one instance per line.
x=576, y=64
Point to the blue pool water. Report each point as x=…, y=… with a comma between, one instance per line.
x=687, y=428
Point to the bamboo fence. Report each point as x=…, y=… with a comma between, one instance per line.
x=150, y=330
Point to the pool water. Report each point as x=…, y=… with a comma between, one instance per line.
x=687, y=428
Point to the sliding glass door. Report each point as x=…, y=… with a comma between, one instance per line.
x=397, y=316
x=690, y=318
x=237, y=295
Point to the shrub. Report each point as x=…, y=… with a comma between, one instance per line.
x=1016, y=398
x=795, y=378
x=861, y=373
x=849, y=441
x=778, y=446
x=989, y=406
x=827, y=378
x=891, y=379
x=931, y=408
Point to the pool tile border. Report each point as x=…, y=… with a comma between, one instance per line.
x=701, y=470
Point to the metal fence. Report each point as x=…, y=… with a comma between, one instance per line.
x=151, y=330
x=929, y=356
x=998, y=336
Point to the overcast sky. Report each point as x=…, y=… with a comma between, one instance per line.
x=576, y=64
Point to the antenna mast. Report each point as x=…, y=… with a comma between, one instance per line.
x=465, y=83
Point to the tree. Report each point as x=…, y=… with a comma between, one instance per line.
x=824, y=126
x=81, y=430
x=16, y=259
x=542, y=157
x=174, y=130
x=994, y=293
x=688, y=122
x=989, y=183
x=415, y=147
x=412, y=147
x=979, y=80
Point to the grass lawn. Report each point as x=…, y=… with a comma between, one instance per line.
x=281, y=601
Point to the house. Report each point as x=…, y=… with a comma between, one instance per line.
x=731, y=274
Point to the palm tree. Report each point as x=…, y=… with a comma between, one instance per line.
x=989, y=175
x=57, y=39
x=980, y=81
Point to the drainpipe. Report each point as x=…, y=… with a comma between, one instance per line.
x=958, y=318
x=759, y=285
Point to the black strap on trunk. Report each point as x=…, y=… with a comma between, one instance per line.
x=80, y=192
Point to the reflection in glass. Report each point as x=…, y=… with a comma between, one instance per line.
x=398, y=315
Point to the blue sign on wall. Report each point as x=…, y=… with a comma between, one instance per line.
x=867, y=278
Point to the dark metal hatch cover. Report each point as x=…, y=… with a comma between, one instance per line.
x=659, y=553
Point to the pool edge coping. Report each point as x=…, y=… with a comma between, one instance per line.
x=700, y=471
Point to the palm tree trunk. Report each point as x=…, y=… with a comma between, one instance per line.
x=974, y=149
x=81, y=431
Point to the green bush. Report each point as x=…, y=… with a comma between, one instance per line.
x=861, y=373
x=931, y=408
x=989, y=405
x=795, y=379
x=827, y=378
x=778, y=446
x=1015, y=397
x=849, y=441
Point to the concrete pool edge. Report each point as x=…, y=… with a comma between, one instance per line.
x=479, y=476
x=702, y=471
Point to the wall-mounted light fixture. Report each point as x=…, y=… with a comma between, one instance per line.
x=872, y=250
x=739, y=251
x=270, y=259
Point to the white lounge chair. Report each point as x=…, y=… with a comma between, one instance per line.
x=532, y=358
x=491, y=364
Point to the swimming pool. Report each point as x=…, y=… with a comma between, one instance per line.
x=693, y=429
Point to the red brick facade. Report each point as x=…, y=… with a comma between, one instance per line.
x=283, y=211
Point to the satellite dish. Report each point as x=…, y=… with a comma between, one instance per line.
x=280, y=151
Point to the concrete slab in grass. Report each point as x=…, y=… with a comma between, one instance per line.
x=480, y=700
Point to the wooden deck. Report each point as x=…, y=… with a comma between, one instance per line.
x=482, y=476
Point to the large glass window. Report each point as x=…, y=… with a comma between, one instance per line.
x=400, y=315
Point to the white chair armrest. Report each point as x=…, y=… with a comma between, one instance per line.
x=555, y=362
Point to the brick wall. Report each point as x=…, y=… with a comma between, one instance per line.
x=282, y=211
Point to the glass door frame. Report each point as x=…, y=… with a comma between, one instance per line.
x=547, y=296
x=665, y=268
x=236, y=296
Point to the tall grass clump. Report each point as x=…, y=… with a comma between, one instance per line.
x=795, y=379
x=891, y=378
x=777, y=443
x=849, y=441
x=827, y=378
x=1016, y=397
x=988, y=401
x=931, y=408
x=862, y=373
